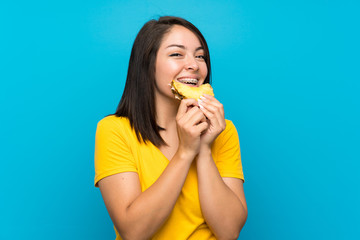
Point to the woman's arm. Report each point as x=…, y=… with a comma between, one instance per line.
x=222, y=199
x=138, y=215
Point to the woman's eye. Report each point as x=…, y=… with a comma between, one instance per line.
x=201, y=57
x=175, y=55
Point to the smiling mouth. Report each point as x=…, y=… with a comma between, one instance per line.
x=188, y=81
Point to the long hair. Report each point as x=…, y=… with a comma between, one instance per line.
x=138, y=100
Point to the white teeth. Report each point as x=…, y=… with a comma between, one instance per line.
x=188, y=80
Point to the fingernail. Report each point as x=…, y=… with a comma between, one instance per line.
x=202, y=97
x=200, y=104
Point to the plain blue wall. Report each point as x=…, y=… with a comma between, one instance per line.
x=287, y=73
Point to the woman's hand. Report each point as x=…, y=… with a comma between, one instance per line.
x=214, y=112
x=191, y=123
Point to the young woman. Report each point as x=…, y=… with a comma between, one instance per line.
x=170, y=169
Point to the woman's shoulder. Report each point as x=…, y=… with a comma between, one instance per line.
x=114, y=122
x=114, y=128
x=229, y=132
x=229, y=125
x=228, y=122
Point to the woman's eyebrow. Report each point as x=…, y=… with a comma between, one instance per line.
x=199, y=48
x=183, y=47
x=176, y=45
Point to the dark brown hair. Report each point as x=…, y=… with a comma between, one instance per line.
x=138, y=100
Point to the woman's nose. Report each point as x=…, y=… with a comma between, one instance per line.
x=191, y=64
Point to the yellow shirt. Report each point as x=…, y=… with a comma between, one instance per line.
x=118, y=150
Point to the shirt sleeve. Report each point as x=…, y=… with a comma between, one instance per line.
x=112, y=151
x=226, y=153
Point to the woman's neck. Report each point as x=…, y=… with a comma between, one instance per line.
x=166, y=111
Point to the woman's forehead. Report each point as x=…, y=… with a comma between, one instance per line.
x=179, y=35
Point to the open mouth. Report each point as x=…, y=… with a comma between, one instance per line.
x=188, y=81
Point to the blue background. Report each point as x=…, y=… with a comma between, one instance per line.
x=287, y=73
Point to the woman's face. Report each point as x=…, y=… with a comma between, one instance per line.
x=181, y=58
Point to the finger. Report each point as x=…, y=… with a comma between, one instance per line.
x=211, y=109
x=193, y=116
x=212, y=118
x=202, y=127
x=213, y=114
x=213, y=101
x=210, y=98
x=206, y=112
x=185, y=104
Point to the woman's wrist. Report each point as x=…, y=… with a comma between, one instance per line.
x=205, y=150
x=186, y=155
